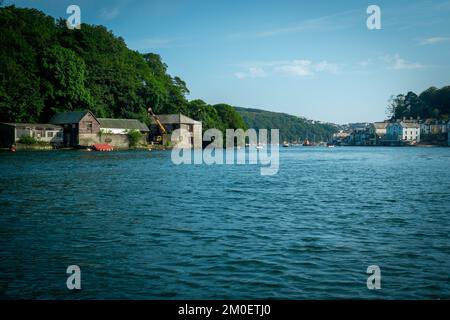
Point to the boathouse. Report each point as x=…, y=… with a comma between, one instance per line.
x=116, y=131
x=11, y=133
x=191, y=136
x=81, y=128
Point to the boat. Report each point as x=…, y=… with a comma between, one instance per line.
x=259, y=146
x=307, y=143
x=102, y=147
x=286, y=144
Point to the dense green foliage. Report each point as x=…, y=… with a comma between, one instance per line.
x=291, y=128
x=46, y=68
x=432, y=103
x=29, y=140
x=134, y=136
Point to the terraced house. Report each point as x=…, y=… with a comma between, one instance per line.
x=408, y=132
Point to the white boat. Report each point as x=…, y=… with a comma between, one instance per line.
x=259, y=146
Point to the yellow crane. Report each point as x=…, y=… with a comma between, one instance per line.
x=161, y=127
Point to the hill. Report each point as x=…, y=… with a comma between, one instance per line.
x=46, y=68
x=292, y=128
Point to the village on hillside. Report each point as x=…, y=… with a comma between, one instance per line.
x=397, y=132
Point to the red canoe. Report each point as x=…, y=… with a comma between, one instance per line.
x=102, y=147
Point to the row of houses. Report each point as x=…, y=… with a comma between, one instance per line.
x=397, y=132
x=83, y=129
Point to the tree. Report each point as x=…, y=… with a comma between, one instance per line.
x=65, y=75
x=230, y=118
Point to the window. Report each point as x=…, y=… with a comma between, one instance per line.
x=89, y=127
x=49, y=134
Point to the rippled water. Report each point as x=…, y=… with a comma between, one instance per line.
x=142, y=228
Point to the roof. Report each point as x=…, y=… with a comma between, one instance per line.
x=380, y=125
x=175, y=118
x=69, y=117
x=131, y=124
x=409, y=124
x=34, y=125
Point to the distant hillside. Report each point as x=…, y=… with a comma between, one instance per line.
x=292, y=128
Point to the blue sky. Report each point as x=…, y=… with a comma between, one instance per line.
x=308, y=58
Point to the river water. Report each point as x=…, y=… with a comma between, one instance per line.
x=140, y=227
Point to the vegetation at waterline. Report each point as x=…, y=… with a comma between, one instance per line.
x=134, y=136
x=431, y=103
x=28, y=140
x=46, y=68
x=292, y=128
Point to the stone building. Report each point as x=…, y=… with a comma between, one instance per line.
x=81, y=128
x=191, y=136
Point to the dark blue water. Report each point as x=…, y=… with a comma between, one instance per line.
x=140, y=227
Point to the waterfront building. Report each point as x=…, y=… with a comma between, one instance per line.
x=11, y=133
x=425, y=127
x=81, y=128
x=191, y=136
x=116, y=131
x=438, y=127
x=408, y=132
x=376, y=132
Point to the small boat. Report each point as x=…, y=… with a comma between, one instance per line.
x=285, y=144
x=259, y=146
x=307, y=143
x=102, y=147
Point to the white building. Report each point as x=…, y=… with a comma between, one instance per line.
x=404, y=131
x=11, y=133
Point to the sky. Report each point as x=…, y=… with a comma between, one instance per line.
x=315, y=59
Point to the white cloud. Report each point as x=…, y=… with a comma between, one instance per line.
x=397, y=63
x=109, y=13
x=433, y=40
x=251, y=72
x=303, y=68
x=326, y=66
x=298, y=68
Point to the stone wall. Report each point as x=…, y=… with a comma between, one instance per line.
x=119, y=140
x=88, y=139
